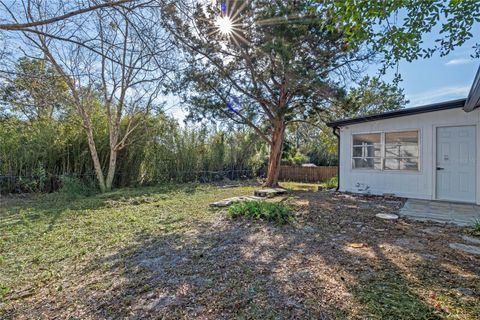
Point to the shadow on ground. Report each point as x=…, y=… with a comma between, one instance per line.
x=336, y=261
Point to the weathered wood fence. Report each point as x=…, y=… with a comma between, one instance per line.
x=307, y=174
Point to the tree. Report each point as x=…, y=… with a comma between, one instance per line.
x=34, y=10
x=371, y=96
x=119, y=70
x=395, y=29
x=266, y=64
x=35, y=91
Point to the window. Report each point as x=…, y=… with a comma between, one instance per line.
x=367, y=151
x=401, y=150
x=386, y=151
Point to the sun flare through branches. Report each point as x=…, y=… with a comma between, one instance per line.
x=224, y=25
x=228, y=24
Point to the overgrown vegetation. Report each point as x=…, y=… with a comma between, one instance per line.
x=332, y=183
x=475, y=231
x=267, y=211
x=36, y=153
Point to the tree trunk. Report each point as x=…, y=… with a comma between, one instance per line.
x=276, y=149
x=112, y=164
x=95, y=159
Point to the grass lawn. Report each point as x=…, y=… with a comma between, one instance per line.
x=162, y=252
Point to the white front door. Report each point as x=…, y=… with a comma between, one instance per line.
x=456, y=158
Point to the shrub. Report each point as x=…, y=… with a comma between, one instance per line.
x=476, y=228
x=267, y=211
x=332, y=183
x=74, y=187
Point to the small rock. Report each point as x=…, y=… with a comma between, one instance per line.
x=471, y=239
x=270, y=192
x=228, y=186
x=357, y=245
x=428, y=256
x=387, y=216
x=465, y=248
x=465, y=291
x=432, y=231
x=229, y=201
x=309, y=229
x=162, y=302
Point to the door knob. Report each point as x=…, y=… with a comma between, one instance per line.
x=438, y=168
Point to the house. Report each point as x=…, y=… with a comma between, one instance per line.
x=428, y=152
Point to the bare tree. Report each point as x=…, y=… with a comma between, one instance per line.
x=118, y=60
x=36, y=18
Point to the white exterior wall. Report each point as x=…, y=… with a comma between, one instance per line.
x=410, y=184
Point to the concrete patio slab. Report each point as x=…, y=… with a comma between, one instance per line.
x=440, y=211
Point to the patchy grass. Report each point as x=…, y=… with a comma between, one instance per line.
x=162, y=252
x=387, y=296
x=475, y=230
x=266, y=211
x=298, y=186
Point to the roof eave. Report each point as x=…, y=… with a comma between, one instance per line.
x=459, y=103
x=473, y=100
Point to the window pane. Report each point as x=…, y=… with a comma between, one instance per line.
x=367, y=151
x=368, y=163
x=366, y=139
x=401, y=164
x=401, y=144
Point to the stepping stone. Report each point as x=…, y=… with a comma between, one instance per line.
x=357, y=245
x=465, y=248
x=387, y=216
x=465, y=291
x=269, y=192
x=471, y=239
x=229, y=201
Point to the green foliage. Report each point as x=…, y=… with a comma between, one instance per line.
x=372, y=96
x=293, y=156
x=36, y=153
x=475, y=231
x=4, y=290
x=332, y=183
x=267, y=211
x=389, y=297
x=284, y=63
x=394, y=29
x=315, y=144
x=74, y=187
x=35, y=92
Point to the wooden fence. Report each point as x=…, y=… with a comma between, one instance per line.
x=307, y=174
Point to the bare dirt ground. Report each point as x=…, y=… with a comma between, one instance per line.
x=336, y=261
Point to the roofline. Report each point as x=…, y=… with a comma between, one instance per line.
x=473, y=100
x=452, y=104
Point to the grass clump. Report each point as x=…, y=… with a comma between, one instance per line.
x=332, y=183
x=266, y=211
x=475, y=231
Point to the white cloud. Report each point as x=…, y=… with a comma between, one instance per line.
x=460, y=61
x=438, y=95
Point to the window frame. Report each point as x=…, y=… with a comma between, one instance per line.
x=383, y=152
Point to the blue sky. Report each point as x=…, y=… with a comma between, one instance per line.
x=438, y=78
x=425, y=81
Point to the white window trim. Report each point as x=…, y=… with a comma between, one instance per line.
x=383, y=150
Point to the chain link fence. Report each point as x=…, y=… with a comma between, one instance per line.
x=11, y=184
